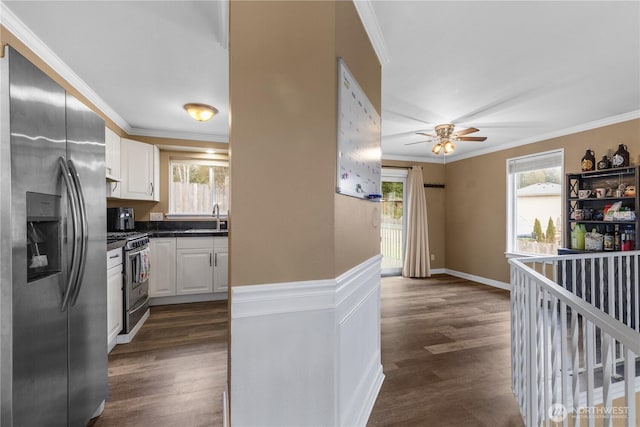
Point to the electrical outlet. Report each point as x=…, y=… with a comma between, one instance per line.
x=155, y=216
x=433, y=257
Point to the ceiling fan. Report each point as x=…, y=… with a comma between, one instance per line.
x=445, y=136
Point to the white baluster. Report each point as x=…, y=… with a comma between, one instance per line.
x=630, y=386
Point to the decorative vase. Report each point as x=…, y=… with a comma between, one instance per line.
x=588, y=161
x=620, y=158
x=604, y=163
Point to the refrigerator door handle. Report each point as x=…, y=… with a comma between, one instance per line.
x=82, y=208
x=75, y=219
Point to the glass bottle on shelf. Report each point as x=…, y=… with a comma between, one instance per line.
x=616, y=239
x=620, y=157
x=608, y=240
x=588, y=161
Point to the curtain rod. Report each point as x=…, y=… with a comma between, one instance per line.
x=409, y=167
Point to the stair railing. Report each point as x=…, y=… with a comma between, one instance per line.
x=575, y=338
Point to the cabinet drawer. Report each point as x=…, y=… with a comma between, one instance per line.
x=220, y=242
x=194, y=243
x=114, y=258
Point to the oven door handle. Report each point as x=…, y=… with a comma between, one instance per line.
x=138, y=306
x=75, y=220
x=82, y=208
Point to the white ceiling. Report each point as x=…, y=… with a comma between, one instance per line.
x=518, y=71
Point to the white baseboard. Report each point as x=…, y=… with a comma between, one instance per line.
x=473, y=278
x=183, y=299
x=126, y=338
x=307, y=353
x=479, y=279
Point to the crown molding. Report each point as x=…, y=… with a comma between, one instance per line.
x=371, y=26
x=222, y=27
x=555, y=134
x=421, y=159
x=191, y=136
x=16, y=27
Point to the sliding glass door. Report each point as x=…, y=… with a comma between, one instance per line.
x=393, y=224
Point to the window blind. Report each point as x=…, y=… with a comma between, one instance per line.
x=545, y=160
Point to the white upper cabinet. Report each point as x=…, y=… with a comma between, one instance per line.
x=140, y=170
x=112, y=159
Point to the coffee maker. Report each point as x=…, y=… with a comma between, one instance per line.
x=120, y=219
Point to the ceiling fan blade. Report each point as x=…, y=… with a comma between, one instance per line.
x=427, y=134
x=414, y=143
x=472, y=138
x=465, y=131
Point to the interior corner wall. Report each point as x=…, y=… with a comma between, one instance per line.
x=357, y=230
x=476, y=203
x=305, y=265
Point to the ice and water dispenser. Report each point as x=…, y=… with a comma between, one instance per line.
x=43, y=235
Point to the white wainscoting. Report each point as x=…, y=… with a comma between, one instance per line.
x=307, y=353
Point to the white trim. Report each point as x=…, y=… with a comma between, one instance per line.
x=372, y=28
x=554, y=134
x=126, y=338
x=421, y=159
x=191, y=136
x=182, y=299
x=225, y=407
x=16, y=27
x=222, y=26
x=438, y=271
x=479, y=279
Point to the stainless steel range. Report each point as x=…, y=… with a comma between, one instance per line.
x=135, y=277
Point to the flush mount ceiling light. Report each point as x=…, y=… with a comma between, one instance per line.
x=200, y=112
x=445, y=136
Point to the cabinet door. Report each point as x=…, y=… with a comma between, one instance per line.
x=194, y=271
x=114, y=303
x=137, y=170
x=112, y=159
x=162, y=277
x=220, y=270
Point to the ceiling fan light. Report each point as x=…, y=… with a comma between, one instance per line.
x=200, y=112
x=449, y=147
x=437, y=148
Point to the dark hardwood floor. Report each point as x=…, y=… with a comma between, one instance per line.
x=445, y=354
x=173, y=373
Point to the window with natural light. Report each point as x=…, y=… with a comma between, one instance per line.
x=195, y=186
x=534, y=203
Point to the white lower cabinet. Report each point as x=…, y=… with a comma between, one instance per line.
x=114, y=296
x=194, y=268
x=220, y=264
x=188, y=266
x=162, y=277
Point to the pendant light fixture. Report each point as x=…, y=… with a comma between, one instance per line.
x=200, y=112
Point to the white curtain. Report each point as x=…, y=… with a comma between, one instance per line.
x=416, y=259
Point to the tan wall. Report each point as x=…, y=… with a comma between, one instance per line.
x=432, y=173
x=283, y=79
x=476, y=195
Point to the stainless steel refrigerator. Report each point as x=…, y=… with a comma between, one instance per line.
x=53, y=252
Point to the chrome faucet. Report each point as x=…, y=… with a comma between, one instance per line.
x=216, y=212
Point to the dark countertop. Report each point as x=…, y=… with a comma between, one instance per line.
x=183, y=228
x=183, y=233
x=115, y=245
